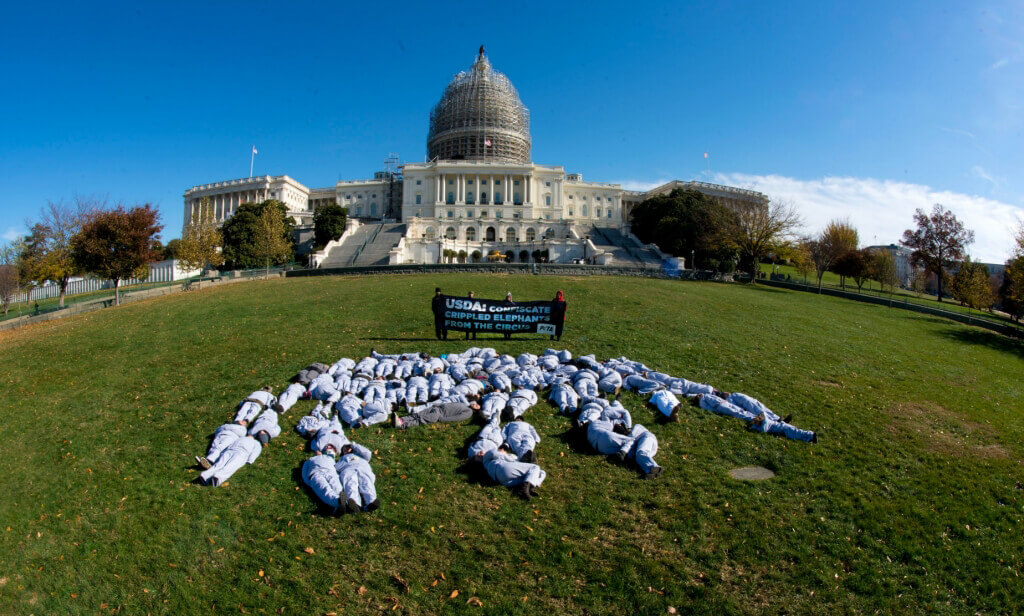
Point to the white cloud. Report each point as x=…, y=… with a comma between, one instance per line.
x=998, y=64
x=882, y=209
x=979, y=172
x=11, y=234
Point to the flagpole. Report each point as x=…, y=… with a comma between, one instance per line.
x=707, y=158
x=252, y=159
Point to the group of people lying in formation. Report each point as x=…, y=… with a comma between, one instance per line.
x=454, y=388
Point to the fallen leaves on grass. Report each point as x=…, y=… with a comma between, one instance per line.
x=361, y=591
x=309, y=551
x=455, y=593
x=474, y=601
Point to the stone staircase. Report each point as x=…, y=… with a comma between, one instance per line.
x=624, y=250
x=370, y=244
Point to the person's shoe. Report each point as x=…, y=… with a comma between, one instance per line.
x=654, y=474
x=814, y=439
x=523, y=491
x=787, y=418
x=529, y=456
x=618, y=456
x=674, y=415
x=352, y=506
x=277, y=407
x=620, y=429
x=374, y=506
x=203, y=462
x=357, y=424
x=532, y=489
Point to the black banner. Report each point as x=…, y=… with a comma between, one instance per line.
x=466, y=314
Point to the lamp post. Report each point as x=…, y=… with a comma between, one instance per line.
x=693, y=261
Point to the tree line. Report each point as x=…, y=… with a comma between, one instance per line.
x=692, y=225
x=87, y=237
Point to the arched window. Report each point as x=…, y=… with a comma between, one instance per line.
x=549, y=233
x=449, y=234
x=483, y=198
x=531, y=234
x=471, y=234
x=490, y=234
x=429, y=233
x=510, y=234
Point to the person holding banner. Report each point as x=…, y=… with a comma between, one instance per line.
x=472, y=331
x=437, y=305
x=508, y=302
x=558, y=314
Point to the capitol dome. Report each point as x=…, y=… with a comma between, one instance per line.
x=480, y=117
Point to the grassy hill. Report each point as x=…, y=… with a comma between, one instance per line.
x=911, y=501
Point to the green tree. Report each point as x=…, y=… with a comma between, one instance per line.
x=118, y=244
x=47, y=254
x=882, y=268
x=328, y=224
x=272, y=241
x=200, y=244
x=240, y=235
x=939, y=241
x=853, y=264
x=1011, y=292
x=171, y=249
x=684, y=222
x=970, y=285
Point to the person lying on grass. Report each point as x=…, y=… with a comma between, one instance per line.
x=502, y=466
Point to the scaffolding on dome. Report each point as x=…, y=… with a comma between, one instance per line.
x=480, y=118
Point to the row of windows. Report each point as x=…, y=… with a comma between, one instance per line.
x=360, y=196
x=489, y=235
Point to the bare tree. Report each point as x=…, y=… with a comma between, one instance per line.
x=939, y=241
x=10, y=282
x=765, y=229
x=48, y=246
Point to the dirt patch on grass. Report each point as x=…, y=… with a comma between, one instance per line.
x=828, y=383
x=946, y=432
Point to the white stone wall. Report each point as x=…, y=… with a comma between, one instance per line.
x=457, y=190
x=225, y=197
x=363, y=198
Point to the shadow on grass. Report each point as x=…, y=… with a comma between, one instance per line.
x=474, y=471
x=992, y=340
x=319, y=507
x=406, y=339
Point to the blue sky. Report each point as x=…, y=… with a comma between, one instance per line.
x=863, y=110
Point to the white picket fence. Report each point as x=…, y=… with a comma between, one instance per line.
x=161, y=271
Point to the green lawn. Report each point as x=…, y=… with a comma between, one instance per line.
x=898, y=295
x=912, y=501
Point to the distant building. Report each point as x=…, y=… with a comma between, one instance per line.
x=901, y=256
x=477, y=190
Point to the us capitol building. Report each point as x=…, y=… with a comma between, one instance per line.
x=477, y=194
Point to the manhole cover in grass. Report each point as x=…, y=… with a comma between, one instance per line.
x=751, y=473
